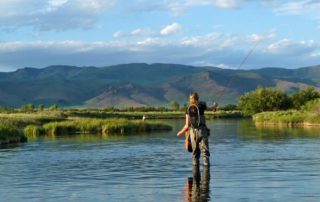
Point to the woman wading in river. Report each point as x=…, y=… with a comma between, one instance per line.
x=198, y=131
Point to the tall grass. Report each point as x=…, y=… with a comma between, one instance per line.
x=290, y=118
x=96, y=126
x=21, y=120
x=150, y=115
x=10, y=135
x=33, y=131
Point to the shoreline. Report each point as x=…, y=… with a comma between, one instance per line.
x=293, y=125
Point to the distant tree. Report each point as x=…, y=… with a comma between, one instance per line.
x=6, y=109
x=27, y=108
x=229, y=107
x=54, y=107
x=184, y=108
x=264, y=99
x=175, y=105
x=41, y=107
x=303, y=96
x=110, y=109
x=312, y=106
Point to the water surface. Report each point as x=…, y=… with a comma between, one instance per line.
x=248, y=164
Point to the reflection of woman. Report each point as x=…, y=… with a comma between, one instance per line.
x=197, y=189
x=196, y=125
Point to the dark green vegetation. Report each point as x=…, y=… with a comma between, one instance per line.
x=45, y=121
x=10, y=135
x=269, y=99
x=148, y=114
x=142, y=84
x=96, y=126
x=308, y=115
x=20, y=120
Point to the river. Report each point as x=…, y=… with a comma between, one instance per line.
x=247, y=164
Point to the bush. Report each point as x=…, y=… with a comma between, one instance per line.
x=303, y=96
x=229, y=107
x=264, y=99
x=312, y=106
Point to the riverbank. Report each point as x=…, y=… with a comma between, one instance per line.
x=288, y=118
x=10, y=135
x=94, y=121
x=148, y=115
x=21, y=120
x=96, y=126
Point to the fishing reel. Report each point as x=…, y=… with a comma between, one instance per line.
x=214, y=106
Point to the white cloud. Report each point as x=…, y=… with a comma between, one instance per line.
x=54, y=4
x=170, y=29
x=179, y=7
x=137, y=31
x=226, y=3
x=262, y=37
x=315, y=54
x=303, y=7
x=308, y=8
x=289, y=47
x=211, y=40
x=117, y=34
x=150, y=42
x=52, y=14
x=216, y=49
x=134, y=33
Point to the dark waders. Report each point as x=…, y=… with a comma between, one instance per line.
x=199, y=141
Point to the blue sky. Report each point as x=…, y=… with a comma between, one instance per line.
x=219, y=33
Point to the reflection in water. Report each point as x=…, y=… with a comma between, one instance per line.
x=247, y=130
x=197, y=189
x=249, y=164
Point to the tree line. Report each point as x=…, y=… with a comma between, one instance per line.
x=260, y=100
x=272, y=99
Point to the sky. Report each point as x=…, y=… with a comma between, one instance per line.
x=39, y=33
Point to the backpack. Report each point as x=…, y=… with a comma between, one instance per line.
x=194, y=116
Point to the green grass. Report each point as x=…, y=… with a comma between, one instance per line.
x=96, y=126
x=10, y=135
x=33, y=131
x=150, y=115
x=287, y=117
x=20, y=120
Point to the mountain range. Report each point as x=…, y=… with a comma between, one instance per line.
x=140, y=84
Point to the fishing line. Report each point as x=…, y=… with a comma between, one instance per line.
x=240, y=65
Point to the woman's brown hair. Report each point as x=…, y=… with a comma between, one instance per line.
x=193, y=98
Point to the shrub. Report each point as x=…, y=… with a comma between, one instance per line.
x=303, y=96
x=264, y=99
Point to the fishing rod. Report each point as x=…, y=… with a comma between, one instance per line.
x=232, y=78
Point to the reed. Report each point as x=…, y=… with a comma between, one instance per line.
x=150, y=115
x=289, y=118
x=97, y=126
x=10, y=134
x=32, y=131
x=21, y=120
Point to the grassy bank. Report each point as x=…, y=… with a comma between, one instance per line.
x=96, y=126
x=10, y=135
x=288, y=118
x=149, y=115
x=20, y=120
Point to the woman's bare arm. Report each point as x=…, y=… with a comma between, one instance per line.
x=185, y=128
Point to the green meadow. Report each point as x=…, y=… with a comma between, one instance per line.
x=94, y=121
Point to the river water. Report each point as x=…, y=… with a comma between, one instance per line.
x=247, y=164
